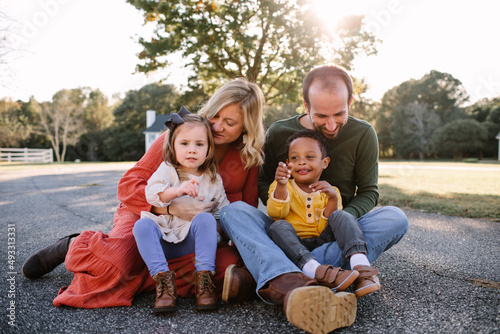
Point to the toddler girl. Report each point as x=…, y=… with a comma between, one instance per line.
x=189, y=169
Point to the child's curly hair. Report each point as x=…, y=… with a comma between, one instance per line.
x=308, y=133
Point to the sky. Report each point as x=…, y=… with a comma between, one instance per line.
x=64, y=44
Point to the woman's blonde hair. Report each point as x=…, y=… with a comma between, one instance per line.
x=250, y=98
x=209, y=166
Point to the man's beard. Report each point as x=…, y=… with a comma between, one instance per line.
x=322, y=129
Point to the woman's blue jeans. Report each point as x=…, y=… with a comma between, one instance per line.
x=201, y=240
x=247, y=227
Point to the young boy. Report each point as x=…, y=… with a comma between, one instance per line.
x=308, y=213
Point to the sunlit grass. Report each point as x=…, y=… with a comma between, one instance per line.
x=445, y=188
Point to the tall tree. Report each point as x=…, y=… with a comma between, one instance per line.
x=61, y=120
x=461, y=137
x=441, y=93
x=413, y=135
x=271, y=42
x=487, y=112
x=15, y=127
x=125, y=139
x=97, y=117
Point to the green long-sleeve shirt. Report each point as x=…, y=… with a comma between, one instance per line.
x=353, y=164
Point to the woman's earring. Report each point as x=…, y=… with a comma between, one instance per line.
x=244, y=138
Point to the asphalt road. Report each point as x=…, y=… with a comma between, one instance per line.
x=443, y=277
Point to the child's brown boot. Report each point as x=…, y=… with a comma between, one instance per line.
x=166, y=292
x=206, y=298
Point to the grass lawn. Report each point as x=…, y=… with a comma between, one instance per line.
x=455, y=189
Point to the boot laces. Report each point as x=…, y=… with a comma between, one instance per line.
x=166, y=285
x=206, y=283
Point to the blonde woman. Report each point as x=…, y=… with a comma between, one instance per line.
x=108, y=269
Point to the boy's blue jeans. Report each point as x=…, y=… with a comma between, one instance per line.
x=247, y=227
x=201, y=240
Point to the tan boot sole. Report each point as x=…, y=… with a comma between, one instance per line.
x=228, y=280
x=318, y=309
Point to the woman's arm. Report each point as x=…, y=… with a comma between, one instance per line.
x=185, y=207
x=131, y=188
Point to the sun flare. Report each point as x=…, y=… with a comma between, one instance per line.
x=331, y=12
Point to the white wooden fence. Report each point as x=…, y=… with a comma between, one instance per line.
x=26, y=155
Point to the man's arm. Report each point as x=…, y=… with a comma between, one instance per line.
x=366, y=172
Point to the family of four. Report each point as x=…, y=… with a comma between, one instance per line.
x=188, y=223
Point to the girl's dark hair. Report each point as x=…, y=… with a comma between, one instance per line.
x=209, y=166
x=307, y=133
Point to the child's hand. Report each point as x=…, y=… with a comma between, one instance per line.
x=324, y=187
x=189, y=188
x=283, y=173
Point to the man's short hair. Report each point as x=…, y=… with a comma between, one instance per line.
x=328, y=75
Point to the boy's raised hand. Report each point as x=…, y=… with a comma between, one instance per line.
x=283, y=173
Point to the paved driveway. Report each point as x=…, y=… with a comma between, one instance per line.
x=443, y=277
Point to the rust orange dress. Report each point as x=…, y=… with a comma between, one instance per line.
x=108, y=269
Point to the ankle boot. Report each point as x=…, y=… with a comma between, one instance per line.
x=47, y=259
x=276, y=289
x=239, y=285
x=206, y=298
x=166, y=292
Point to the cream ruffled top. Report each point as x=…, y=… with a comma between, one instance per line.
x=175, y=229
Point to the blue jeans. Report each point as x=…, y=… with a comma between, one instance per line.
x=155, y=251
x=247, y=227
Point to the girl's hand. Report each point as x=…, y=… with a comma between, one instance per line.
x=283, y=173
x=324, y=187
x=189, y=188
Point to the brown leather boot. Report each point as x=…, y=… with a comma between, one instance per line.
x=367, y=281
x=47, y=259
x=334, y=277
x=239, y=285
x=206, y=299
x=276, y=289
x=166, y=292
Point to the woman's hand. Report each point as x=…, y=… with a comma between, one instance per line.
x=186, y=207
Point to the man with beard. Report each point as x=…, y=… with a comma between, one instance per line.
x=353, y=150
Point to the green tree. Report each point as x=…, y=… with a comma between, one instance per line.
x=125, y=139
x=62, y=120
x=461, y=138
x=362, y=107
x=487, y=112
x=15, y=127
x=441, y=93
x=275, y=113
x=271, y=42
x=412, y=137
x=97, y=117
